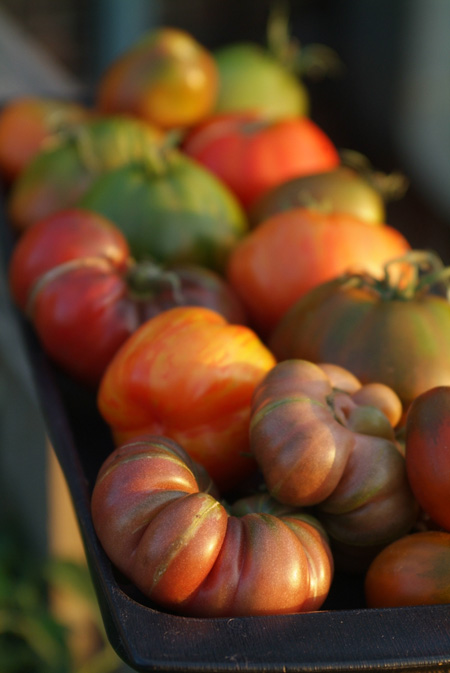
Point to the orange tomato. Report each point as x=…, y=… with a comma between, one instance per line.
x=189, y=374
x=294, y=251
x=27, y=124
x=167, y=78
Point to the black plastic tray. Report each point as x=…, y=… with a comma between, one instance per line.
x=343, y=636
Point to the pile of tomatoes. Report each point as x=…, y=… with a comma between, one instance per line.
x=270, y=355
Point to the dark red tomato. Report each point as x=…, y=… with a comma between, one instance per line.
x=377, y=328
x=73, y=274
x=252, y=154
x=161, y=526
x=414, y=570
x=427, y=452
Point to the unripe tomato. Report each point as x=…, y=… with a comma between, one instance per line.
x=251, y=79
x=341, y=190
x=167, y=79
x=58, y=176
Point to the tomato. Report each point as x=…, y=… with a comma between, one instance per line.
x=174, y=210
x=377, y=328
x=188, y=374
x=427, y=451
x=58, y=176
x=341, y=190
x=414, y=570
x=73, y=274
x=318, y=445
x=252, y=79
x=252, y=154
x=291, y=252
x=27, y=124
x=176, y=542
x=167, y=78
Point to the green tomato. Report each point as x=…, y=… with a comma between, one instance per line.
x=250, y=78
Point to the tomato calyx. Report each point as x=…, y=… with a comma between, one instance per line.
x=315, y=60
x=146, y=278
x=390, y=186
x=405, y=278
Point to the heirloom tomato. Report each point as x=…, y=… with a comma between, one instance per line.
x=57, y=176
x=189, y=374
x=341, y=190
x=170, y=209
x=73, y=275
x=394, y=329
x=167, y=533
x=166, y=78
x=28, y=124
x=291, y=252
x=252, y=154
x=252, y=79
x=414, y=570
x=427, y=452
x=321, y=445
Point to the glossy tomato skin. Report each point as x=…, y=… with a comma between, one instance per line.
x=286, y=256
x=188, y=374
x=401, y=343
x=167, y=79
x=72, y=274
x=161, y=527
x=57, y=177
x=427, y=452
x=252, y=154
x=317, y=445
x=82, y=315
x=175, y=212
x=28, y=124
x=414, y=570
x=342, y=190
x=63, y=236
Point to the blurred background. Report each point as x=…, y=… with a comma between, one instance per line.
x=390, y=101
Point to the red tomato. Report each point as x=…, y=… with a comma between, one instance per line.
x=177, y=544
x=427, y=451
x=73, y=274
x=294, y=251
x=167, y=79
x=190, y=375
x=29, y=124
x=252, y=154
x=414, y=570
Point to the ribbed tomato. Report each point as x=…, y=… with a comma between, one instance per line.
x=161, y=526
x=381, y=329
x=189, y=374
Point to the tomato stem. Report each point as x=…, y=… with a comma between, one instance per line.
x=407, y=277
x=146, y=278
